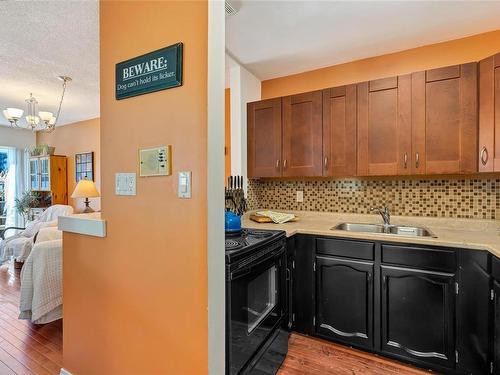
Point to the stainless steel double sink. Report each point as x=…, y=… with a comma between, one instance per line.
x=396, y=230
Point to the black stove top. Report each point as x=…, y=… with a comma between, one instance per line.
x=242, y=243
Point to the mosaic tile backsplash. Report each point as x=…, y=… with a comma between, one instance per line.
x=457, y=198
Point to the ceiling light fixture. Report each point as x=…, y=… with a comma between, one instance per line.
x=33, y=116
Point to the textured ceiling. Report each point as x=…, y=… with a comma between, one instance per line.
x=40, y=40
x=278, y=38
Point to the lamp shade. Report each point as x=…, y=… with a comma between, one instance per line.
x=45, y=116
x=85, y=189
x=13, y=113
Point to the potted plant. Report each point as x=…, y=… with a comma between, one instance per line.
x=27, y=201
x=3, y=178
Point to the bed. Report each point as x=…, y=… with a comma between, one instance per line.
x=41, y=279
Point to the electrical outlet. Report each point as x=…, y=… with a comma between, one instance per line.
x=300, y=196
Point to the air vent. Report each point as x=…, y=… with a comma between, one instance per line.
x=230, y=9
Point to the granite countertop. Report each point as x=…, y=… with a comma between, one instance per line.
x=460, y=233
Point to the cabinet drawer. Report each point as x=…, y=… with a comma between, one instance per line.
x=345, y=248
x=420, y=257
x=495, y=268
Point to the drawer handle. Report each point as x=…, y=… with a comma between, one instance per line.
x=417, y=160
x=326, y=162
x=277, y=163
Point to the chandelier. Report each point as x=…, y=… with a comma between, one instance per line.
x=33, y=116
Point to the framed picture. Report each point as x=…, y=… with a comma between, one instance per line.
x=84, y=166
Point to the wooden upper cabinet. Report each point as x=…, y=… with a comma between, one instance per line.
x=339, y=131
x=445, y=126
x=264, y=138
x=489, y=114
x=384, y=126
x=302, y=135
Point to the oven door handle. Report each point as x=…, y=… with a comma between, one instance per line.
x=246, y=270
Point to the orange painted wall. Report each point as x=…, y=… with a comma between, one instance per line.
x=75, y=138
x=227, y=133
x=453, y=52
x=135, y=302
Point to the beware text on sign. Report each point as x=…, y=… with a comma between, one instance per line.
x=154, y=71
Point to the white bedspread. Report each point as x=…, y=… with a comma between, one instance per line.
x=19, y=246
x=41, y=282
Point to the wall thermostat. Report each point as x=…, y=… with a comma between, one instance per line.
x=155, y=161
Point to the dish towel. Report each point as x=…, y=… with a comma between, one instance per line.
x=277, y=217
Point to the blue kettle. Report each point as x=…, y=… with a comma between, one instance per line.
x=232, y=222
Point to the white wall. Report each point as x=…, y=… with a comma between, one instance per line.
x=215, y=189
x=18, y=138
x=245, y=88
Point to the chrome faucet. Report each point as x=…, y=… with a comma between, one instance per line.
x=385, y=213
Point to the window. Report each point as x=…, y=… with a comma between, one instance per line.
x=3, y=175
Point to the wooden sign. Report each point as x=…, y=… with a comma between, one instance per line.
x=154, y=71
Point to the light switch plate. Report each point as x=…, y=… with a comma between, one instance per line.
x=300, y=196
x=184, y=188
x=125, y=183
x=155, y=161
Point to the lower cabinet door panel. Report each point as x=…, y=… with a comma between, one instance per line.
x=418, y=315
x=496, y=322
x=344, y=300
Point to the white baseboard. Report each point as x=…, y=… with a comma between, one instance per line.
x=65, y=372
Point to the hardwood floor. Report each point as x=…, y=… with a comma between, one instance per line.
x=29, y=349
x=311, y=356
x=25, y=348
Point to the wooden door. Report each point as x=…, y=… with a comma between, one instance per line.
x=489, y=114
x=264, y=138
x=445, y=125
x=344, y=300
x=303, y=135
x=58, y=179
x=418, y=315
x=339, y=131
x=384, y=127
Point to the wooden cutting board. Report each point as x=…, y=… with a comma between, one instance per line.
x=264, y=219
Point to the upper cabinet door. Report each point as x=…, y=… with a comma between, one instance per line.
x=489, y=114
x=445, y=120
x=339, y=131
x=264, y=138
x=384, y=127
x=303, y=135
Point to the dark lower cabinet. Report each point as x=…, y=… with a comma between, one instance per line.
x=496, y=327
x=434, y=307
x=344, y=300
x=303, y=285
x=418, y=315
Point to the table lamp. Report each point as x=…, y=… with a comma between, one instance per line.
x=85, y=189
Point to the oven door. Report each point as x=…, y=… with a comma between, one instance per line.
x=256, y=306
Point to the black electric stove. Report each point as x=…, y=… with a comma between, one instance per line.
x=256, y=302
x=242, y=244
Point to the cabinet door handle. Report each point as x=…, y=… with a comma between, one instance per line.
x=277, y=163
x=284, y=163
x=326, y=162
x=484, y=155
x=417, y=160
x=406, y=160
